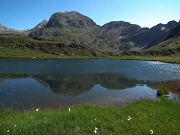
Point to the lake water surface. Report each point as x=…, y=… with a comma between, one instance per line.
x=30, y=84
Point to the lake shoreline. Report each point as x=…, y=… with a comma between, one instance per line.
x=170, y=59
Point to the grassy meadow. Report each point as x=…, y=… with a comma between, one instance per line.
x=143, y=117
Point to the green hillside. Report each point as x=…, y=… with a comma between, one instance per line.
x=14, y=45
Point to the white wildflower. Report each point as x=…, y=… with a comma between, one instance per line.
x=69, y=109
x=151, y=131
x=37, y=109
x=129, y=118
x=95, y=131
x=8, y=131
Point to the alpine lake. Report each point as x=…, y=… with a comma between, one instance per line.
x=35, y=83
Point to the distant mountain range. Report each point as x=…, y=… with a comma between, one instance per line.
x=6, y=30
x=116, y=35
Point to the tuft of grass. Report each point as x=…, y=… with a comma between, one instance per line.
x=141, y=117
x=162, y=91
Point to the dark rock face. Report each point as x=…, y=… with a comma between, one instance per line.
x=147, y=38
x=175, y=32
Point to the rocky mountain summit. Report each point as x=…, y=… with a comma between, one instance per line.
x=71, y=19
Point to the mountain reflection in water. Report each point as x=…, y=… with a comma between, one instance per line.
x=74, y=85
x=95, y=88
x=29, y=84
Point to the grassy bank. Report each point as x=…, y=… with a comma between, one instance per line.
x=31, y=54
x=139, y=118
x=169, y=59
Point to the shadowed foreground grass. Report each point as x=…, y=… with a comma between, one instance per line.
x=139, y=118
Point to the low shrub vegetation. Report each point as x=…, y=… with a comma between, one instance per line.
x=163, y=91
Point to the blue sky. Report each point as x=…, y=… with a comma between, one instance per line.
x=24, y=14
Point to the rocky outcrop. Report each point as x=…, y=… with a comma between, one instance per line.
x=41, y=24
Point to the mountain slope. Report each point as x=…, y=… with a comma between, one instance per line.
x=109, y=35
x=175, y=32
x=146, y=38
x=170, y=46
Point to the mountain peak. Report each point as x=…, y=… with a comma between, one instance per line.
x=73, y=19
x=41, y=24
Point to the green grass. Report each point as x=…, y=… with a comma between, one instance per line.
x=163, y=117
x=32, y=54
x=19, y=44
x=28, y=53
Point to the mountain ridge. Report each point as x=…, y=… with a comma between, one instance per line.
x=6, y=30
x=115, y=35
